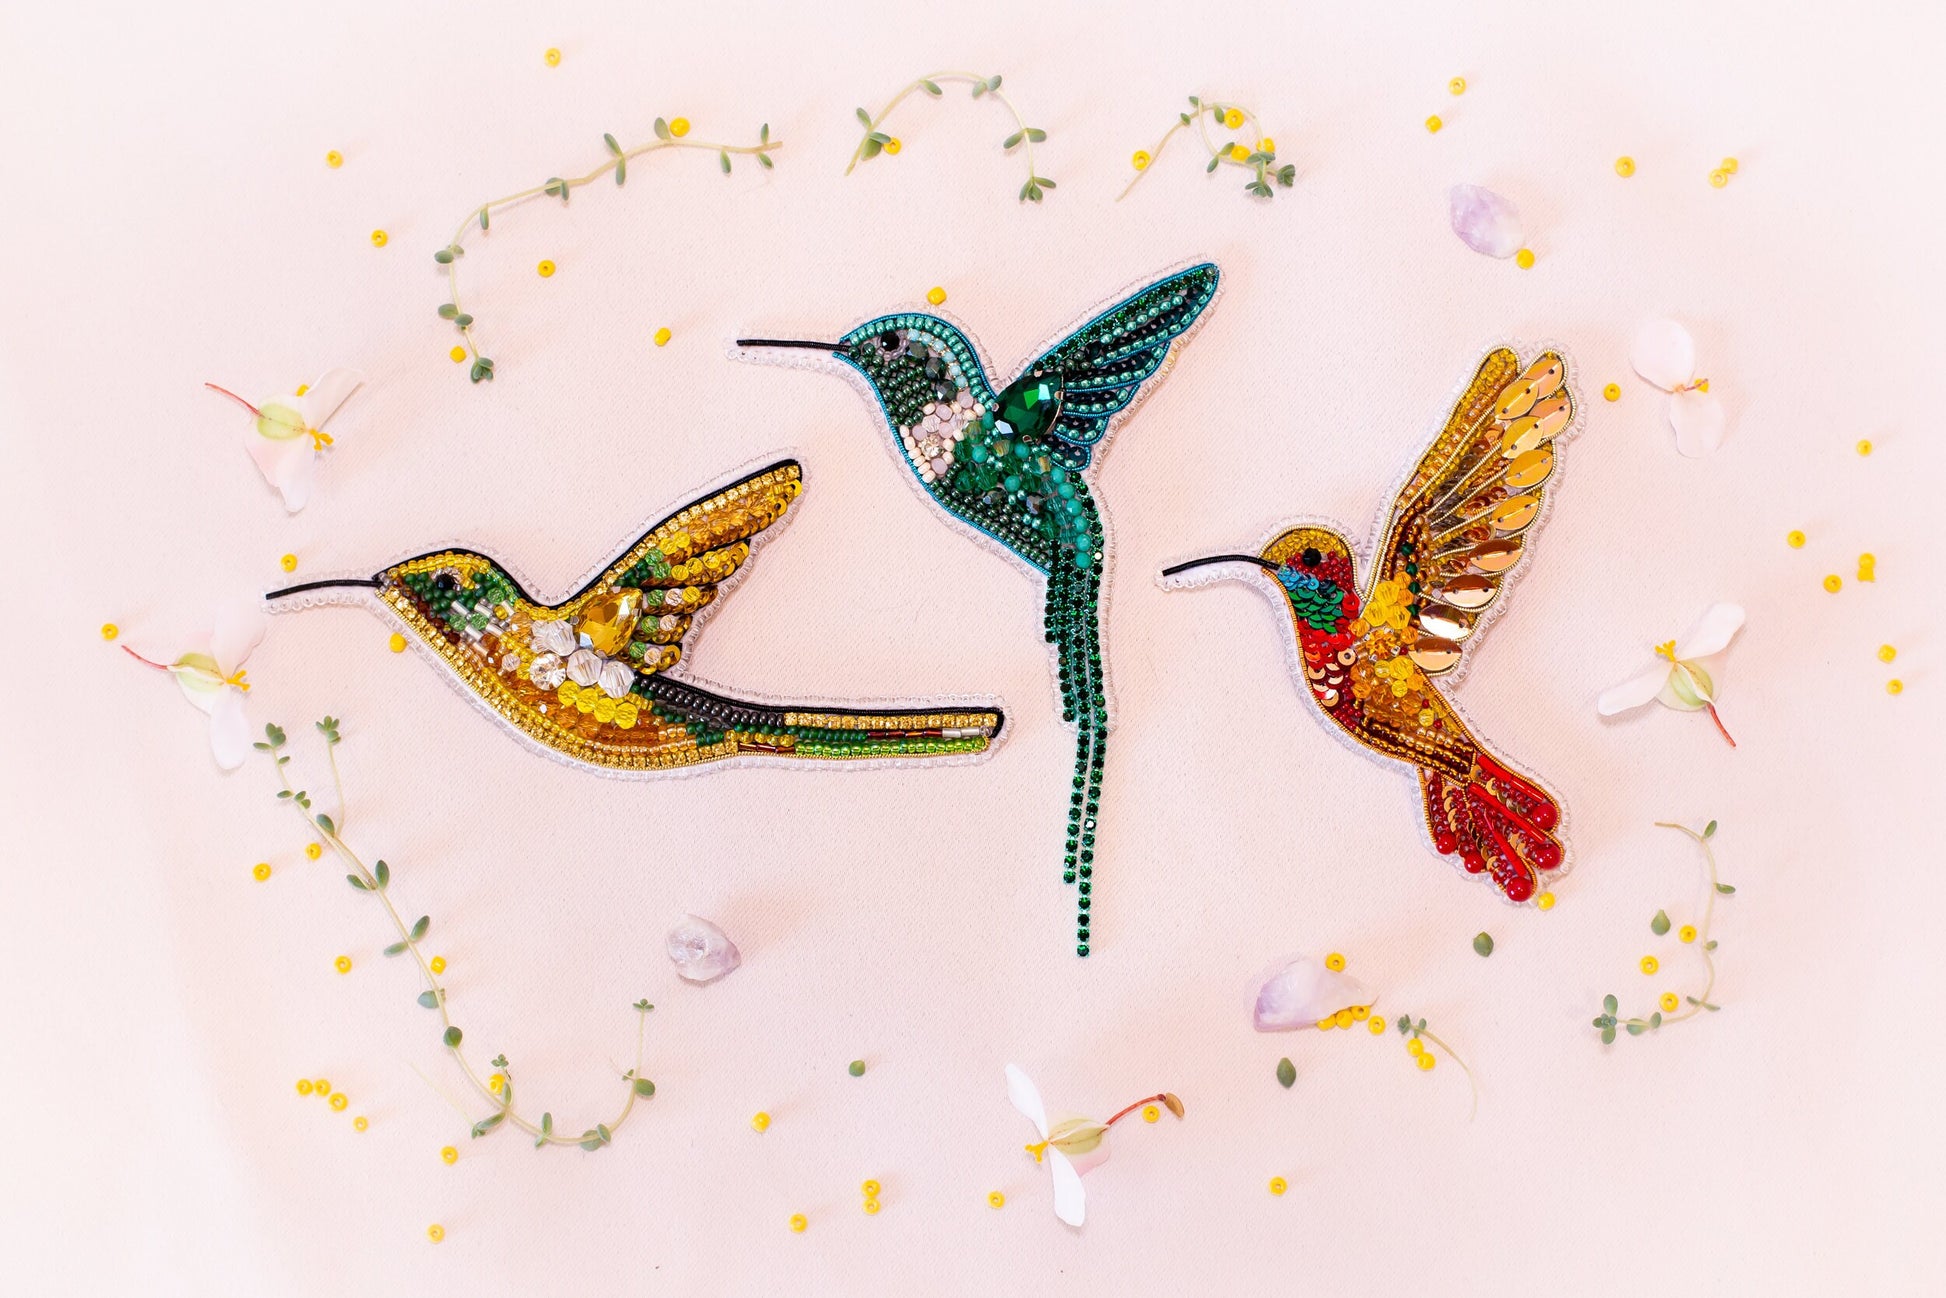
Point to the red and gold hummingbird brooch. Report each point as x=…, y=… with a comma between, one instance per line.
x=1373, y=657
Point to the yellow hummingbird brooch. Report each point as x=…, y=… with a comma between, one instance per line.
x=1372, y=656
x=590, y=678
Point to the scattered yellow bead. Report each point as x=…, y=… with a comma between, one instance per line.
x=380, y=238
x=1266, y=145
x=1730, y=166
x=552, y=57
x=1625, y=166
x=435, y=1232
x=314, y=850
x=458, y=354
x=1343, y=1018
x=1233, y=118
x=109, y=630
x=545, y=270
x=334, y=159
x=1456, y=86
x=1278, y=1185
x=1795, y=540
x=1834, y=583
x=1895, y=687
x=342, y=964
x=679, y=126
x=497, y=1083
x=1239, y=154
x=1361, y=1012
x=339, y=1101
x=870, y=1189
x=360, y=1122
x=396, y=643
x=1613, y=392
x=1377, y=1027
x=893, y=145
x=260, y=871
x=761, y=1122
x=1427, y=1061
x=321, y=1086
x=1865, y=446
x=304, y=1086
x=1668, y=1002
x=1415, y=1047
x=288, y=563
x=995, y=1199
x=662, y=336
x=1650, y=964
x=1524, y=258
x=1719, y=178
x=1867, y=567
x=1326, y=1024
x=798, y=1223
x=1687, y=933
x=449, y=1155
x=1886, y=653
x=936, y=295
x=437, y=964
x=1334, y=962
x=1433, y=124
x=871, y=1207
x=1545, y=901
x=1141, y=159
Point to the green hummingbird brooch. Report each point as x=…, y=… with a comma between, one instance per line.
x=1010, y=461
x=591, y=677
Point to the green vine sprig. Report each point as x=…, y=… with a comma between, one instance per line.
x=666, y=137
x=1260, y=156
x=1608, y=1021
x=1415, y=1033
x=376, y=881
x=876, y=141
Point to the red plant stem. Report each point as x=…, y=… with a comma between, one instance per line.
x=1147, y=1099
x=140, y=659
x=234, y=397
x=1719, y=724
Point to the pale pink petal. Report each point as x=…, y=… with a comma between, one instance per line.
x=297, y=471
x=1664, y=354
x=229, y=730
x=1070, y=1200
x=1026, y=1099
x=322, y=399
x=239, y=630
x=1712, y=633
x=1699, y=421
x=1632, y=693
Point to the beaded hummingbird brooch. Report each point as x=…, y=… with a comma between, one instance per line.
x=1010, y=462
x=1373, y=656
x=590, y=678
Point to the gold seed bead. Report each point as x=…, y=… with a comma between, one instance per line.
x=1833, y=583
x=1886, y=653
x=1456, y=86
x=380, y=238
x=1613, y=392
x=260, y=871
x=1795, y=540
x=1625, y=167
x=662, y=336
x=552, y=57
x=936, y=295
x=1895, y=687
x=109, y=630
x=1433, y=124
x=1524, y=258
x=1865, y=447
x=334, y=159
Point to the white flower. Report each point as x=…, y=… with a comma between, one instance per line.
x=1665, y=355
x=1305, y=992
x=213, y=678
x=1070, y=1147
x=1683, y=681
x=287, y=437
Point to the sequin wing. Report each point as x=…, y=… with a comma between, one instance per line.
x=1458, y=526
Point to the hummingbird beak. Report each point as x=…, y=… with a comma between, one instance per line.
x=1265, y=564
x=840, y=349
x=302, y=586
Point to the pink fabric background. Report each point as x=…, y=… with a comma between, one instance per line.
x=170, y=220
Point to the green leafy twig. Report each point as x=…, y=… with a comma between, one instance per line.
x=1415, y=1030
x=1608, y=1021
x=876, y=141
x=377, y=882
x=1262, y=162
x=560, y=187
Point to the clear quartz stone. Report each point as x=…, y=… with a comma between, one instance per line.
x=546, y=671
x=1484, y=221
x=615, y=679
x=1299, y=992
x=584, y=667
x=701, y=951
x=553, y=637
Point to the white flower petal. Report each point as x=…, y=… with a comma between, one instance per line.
x=1632, y=693
x=1664, y=354
x=322, y=399
x=200, y=681
x=1699, y=421
x=229, y=731
x=239, y=630
x=1070, y=1200
x=1299, y=992
x=1026, y=1099
x=296, y=471
x=1712, y=633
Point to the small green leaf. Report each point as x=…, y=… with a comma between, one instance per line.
x=1195, y=102
x=325, y=823
x=1287, y=175
x=1010, y=141
x=661, y=129
x=1608, y=1035
x=482, y=370
x=869, y=149
x=1035, y=135
x=592, y=1143
x=419, y=929
x=864, y=117
x=1483, y=944
x=358, y=883
x=429, y=999
x=483, y=218
x=499, y=1060
x=1636, y=1028
x=1710, y=945
x=447, y=311
x=644, y=1006
x=1405, y=1023
x=444, y=256
x=643, y=1086
x=1212, y=165
x=931, y=88
x=1286, y=1073
x=398, y=948
x=451, y=1037
x=1044, y=182
x=763, y=136
x=382, y=872
x=1709, y=830
x=1725, y=889
x=558, y=188
x=1610, y=1004
x=979, y=88
x=1655, y=1019
x=1183, y=118
x=487, y=1124
x=1660, y=924
x=763, y=160
x=605, y=1136
x=462, y=320
x=723, y=157
x=621, y=171
x=275, y=734
x=993, y=82
x=613, y=147
x=856, y=1068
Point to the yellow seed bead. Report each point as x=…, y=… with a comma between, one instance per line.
x=380, y=238
x=1625, y=166
x=1687, y=933
x=339, y=1101
x=893, y=145
x=1278, y=1185
x=936, y=295
x=798, y=1222
x=435, y=1232
x=1360, y=1013
x=1833, y=583
x=334, y=159
x=396, y=643
x=871, y=1207
x=1524, y=258
x=1141, y=159
x=497, y=1083
x=1266, y=145
x=545, y=270
x=1730, y=166
x=360, y=1122
x=1415, y=1047
x=1343, y=1018
x=1895, y=687
x=1613, y=392
x=1150, y=1113
x=1719, y=178
x=1545, y=901
x=314, y=850
x=449, y=1155
x=109, y=630
x=1886, y=653
x=342, y=964
x=260, y=871
x=761, y=1122
x=995, y=1199
x=1795, y=540
x=437, y=964
x=321, y=1086
x=552, y=57
x=1867, y=568
x=870, y=1189
x=1865, y=446
x=1427, y=1061
x=662, y=336
x=458, y=354
x=1239, y=154
x=1456, y=86
x=304, y=1086
x=1233, y=118
x=1433, y=124
x=1334, y=962
x=679, y=126
x=1325, y=1025
x=1650, y=964
x=288, y=563
x=1668, y=1002
x=1376, y=1027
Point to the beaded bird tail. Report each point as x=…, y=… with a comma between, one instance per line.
x=1498, y=823
x=1073, y=625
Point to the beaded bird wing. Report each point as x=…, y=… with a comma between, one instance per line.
x=1078, y=387
x=589, y=677
x=1459, y=525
